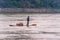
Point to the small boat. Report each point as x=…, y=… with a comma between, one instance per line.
x=21, y=24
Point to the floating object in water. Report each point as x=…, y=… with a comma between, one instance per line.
x=33, y=24
x=11, y=25
x=19, y=24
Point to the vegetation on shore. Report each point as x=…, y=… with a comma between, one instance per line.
x=29, y=3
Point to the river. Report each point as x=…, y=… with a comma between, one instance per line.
x=47, y=26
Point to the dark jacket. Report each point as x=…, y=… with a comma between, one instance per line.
x=28, y=18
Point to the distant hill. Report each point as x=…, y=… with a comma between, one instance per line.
x=29, y=3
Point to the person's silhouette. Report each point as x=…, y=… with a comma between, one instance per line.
x=28, y=19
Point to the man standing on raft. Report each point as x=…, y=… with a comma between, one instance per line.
x=28, y=19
